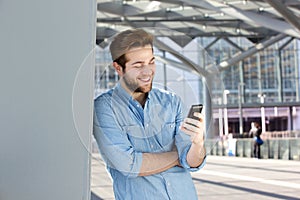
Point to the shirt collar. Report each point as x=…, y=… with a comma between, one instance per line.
x=122, y=92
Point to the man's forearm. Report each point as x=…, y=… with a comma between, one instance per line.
x=195, y=128
x=196, y=154
x=154, y=163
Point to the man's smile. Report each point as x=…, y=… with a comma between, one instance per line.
x=145, y=79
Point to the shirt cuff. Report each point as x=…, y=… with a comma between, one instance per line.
x=184, y=163
x=137, y=164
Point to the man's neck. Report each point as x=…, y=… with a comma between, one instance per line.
x=140, y=97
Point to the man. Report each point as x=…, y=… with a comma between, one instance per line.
x=148, y=148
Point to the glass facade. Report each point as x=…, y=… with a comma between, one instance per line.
x=273, y=71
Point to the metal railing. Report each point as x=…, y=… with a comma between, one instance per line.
x=281, y=134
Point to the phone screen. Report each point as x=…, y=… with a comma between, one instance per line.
x=193, y=109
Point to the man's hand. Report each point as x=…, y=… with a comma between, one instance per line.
x=194, y=128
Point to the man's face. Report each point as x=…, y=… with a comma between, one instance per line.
x=140, y=69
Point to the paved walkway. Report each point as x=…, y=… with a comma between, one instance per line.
x=229, y=178
x=101, y=183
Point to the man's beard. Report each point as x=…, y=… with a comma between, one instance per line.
x=134, y=87
x=144, y=89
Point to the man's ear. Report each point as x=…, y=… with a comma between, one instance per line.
x=118, y=68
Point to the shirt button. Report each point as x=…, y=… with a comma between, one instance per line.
x=151, y=146
x=147, y=125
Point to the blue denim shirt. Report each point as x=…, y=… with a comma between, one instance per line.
x=124, y=130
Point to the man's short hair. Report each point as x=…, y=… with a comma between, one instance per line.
x=129, y=39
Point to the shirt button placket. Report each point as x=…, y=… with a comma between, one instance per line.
x=169, y=189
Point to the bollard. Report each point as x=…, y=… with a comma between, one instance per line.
x=294, y=149
x=284, y=151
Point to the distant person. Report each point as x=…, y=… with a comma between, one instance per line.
x=147, y=145
x=253, y=130
x=255, y=133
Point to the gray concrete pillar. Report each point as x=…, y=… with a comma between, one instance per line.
x=46, y=104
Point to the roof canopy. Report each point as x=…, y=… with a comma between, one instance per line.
x=255, y=19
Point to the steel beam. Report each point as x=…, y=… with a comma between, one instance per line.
x=286, y=13
x=241, y=56
x=251, y=18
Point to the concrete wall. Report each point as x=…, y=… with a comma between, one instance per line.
x=287, y=149
x=46, y=87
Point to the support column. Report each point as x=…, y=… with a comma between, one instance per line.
x=208, y=109
x=225, y=93
x=279, y=77
x=240, y=92
x=47, y=90
x=297, y=63
x=291, y=118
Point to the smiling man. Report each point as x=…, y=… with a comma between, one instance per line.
x=147, y=145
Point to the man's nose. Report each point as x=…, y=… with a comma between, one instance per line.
x=147, y=69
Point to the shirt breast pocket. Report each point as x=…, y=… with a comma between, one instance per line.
x=168, y=134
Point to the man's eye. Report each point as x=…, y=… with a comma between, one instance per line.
x=153, y=61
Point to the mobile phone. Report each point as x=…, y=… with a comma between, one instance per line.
x=193, y=109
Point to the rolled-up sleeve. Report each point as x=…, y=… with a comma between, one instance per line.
x=183, y=142
x=113, y=144
x=184, y=163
